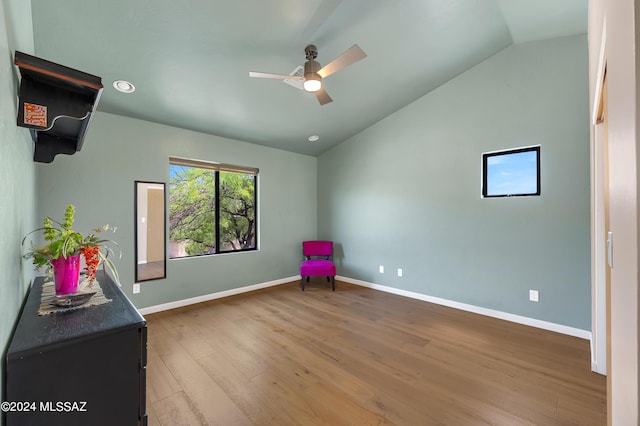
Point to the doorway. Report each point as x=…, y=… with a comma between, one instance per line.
x=601, y=250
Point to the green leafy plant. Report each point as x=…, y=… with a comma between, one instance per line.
x=63, y=241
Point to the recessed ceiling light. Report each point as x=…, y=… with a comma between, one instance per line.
x=124, y=86
x=313, y=138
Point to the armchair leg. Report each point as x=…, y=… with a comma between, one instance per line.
x=333, y=283
x=302, y=284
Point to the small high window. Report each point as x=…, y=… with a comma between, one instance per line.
x=511, y=173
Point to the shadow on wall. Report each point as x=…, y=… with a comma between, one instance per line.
x=338, y=255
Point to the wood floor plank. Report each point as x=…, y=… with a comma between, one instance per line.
x=305, y=369
x=161, y=383
x=177, y=410
x=152, y=418
x=280, y=356
x=206, y=399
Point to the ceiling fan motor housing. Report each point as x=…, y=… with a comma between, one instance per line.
x=311, y=66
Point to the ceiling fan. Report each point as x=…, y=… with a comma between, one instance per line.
x=313, y=74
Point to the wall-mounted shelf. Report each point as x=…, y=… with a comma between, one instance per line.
x=56, y=103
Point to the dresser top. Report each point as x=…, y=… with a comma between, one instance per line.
x=34, y=332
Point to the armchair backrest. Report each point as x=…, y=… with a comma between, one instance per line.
x=317, y=248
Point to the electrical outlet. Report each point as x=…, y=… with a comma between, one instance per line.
x=399, y=272
x=533, y=295
x=381, y=269
x=136, y=288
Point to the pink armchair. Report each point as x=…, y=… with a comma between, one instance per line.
x=314, y=267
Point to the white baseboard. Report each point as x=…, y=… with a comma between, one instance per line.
x=545, y=325
x=558, y=328
x=212, y=296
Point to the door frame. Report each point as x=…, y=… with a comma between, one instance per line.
x=599, y=300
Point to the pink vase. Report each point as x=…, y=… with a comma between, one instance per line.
x=66, y=273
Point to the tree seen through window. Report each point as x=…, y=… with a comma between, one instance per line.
x=210, y=211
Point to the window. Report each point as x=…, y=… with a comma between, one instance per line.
x=511, y=173
x=212, y=208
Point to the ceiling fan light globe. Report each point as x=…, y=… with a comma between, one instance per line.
x=312, y=85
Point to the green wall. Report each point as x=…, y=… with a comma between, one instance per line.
x=405, y=193
x=99, y=181
x=17, y=172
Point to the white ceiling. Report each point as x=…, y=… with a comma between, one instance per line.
x=190, y=60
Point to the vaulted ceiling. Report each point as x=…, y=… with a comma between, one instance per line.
x=189, y=60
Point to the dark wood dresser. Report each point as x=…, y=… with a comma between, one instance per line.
x=85, y=367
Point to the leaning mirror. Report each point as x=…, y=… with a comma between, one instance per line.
x=150, y=231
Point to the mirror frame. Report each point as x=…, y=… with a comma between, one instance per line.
x=138, y=233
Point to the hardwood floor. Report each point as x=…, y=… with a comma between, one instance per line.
x=357, y=356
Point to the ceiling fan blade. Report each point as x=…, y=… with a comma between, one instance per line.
x=353, y=54
x=277, y=76
x=323, y=96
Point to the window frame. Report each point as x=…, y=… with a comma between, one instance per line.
x=485, y=175
x=217, y=168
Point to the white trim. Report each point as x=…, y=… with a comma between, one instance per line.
x=598, y=231
x=598, y=253
x=212, y=296
x=558, y=328
x=594, y=360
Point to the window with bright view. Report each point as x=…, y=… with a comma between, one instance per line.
x=511, y=173
x=212, y=208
